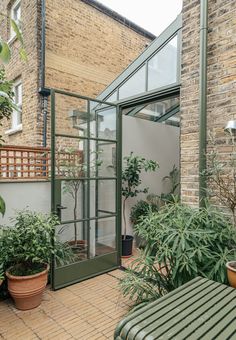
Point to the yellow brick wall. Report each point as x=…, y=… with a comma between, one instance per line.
x=221, y=87
x=85, y=48
x=28, y=71
x=85, y=51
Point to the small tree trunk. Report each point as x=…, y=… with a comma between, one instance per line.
x=75, y=217
x=124, y=218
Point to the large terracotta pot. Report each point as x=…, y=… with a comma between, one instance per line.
x=231, y=273
x=27, y=291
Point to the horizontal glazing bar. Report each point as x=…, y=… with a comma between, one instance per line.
x=89, y=219
x=86, y=178
x=86, y=138
x=84, y=261
x=71, y=94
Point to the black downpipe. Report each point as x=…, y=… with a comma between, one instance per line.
x=203, y=101
x=42, y=90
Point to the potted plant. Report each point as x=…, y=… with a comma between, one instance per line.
x=74, y=169
x=26, y=251
x=131, y=181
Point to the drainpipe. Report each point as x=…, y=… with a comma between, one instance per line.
x=203, y=100
x=44, y=92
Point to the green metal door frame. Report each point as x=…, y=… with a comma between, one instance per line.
x=84, y=269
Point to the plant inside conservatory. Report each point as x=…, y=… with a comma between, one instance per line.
x=74, y=169
x=26, y=252
x=133, y=167
x=181, y=243
x=221, y=175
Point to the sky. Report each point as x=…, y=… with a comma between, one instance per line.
x=153, y=15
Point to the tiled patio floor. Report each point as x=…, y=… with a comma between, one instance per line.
x=87, y=310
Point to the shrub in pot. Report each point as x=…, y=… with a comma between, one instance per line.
x=131, y=181
x=26, y=251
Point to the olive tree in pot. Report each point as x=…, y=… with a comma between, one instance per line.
x=132, y=168
x=221, y=175
x=26, y=251
x=74, y=170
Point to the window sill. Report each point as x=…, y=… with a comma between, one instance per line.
x=14, y=130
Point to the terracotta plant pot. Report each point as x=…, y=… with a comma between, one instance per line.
x=231, y=273
x=27, y=291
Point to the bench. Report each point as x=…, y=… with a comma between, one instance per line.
x=200, y=309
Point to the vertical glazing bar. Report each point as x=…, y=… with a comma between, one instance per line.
x=119, y=180
x=146, y=76
x=53, y=208
x=96, y=186
x=88, y=181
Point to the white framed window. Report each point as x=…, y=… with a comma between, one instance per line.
x=15, y=14
x=16, y=118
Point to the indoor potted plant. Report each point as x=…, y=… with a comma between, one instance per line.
x=74, y=169
x=131, y=181
x=26, y=251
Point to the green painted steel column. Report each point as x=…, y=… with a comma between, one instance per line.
x=203, y=100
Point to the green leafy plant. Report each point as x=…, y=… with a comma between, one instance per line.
x=74, y=169
x=181, y=243
x=140, y=209
x=221, y=175
x=1, y=272
x=173, y=179
x=5, y=50
x=6, y=93
x=30, y=244
x=131, y=181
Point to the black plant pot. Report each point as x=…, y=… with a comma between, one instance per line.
x=127, y=245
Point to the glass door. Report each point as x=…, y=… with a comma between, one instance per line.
x=86, y=171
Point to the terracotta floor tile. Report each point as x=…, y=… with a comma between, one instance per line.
x=89, y=310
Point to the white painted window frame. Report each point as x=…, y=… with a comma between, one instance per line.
x=16, y=119
x=15, y=5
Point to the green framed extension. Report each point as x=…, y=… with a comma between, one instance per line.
x=85, y=185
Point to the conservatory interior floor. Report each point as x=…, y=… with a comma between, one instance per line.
x=87, y=310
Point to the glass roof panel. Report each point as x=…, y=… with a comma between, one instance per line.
x=134, y=85
x=165, y=111
x=162, y=68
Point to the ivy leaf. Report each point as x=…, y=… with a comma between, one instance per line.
x=2, y=206
x=5, y=54
x=17, y=31
x=23, y=54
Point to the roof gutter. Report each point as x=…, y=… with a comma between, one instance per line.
x=203, y=101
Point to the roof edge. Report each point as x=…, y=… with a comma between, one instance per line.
x=156, y=44
x=120, y=18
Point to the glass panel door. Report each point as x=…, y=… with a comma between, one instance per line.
x=85, y=186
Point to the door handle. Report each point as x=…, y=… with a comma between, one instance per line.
x=60, y=207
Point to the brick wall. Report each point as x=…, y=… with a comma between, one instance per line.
x=28, y=71
x=85, y=48
x=85, y=51
x=221, y=86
